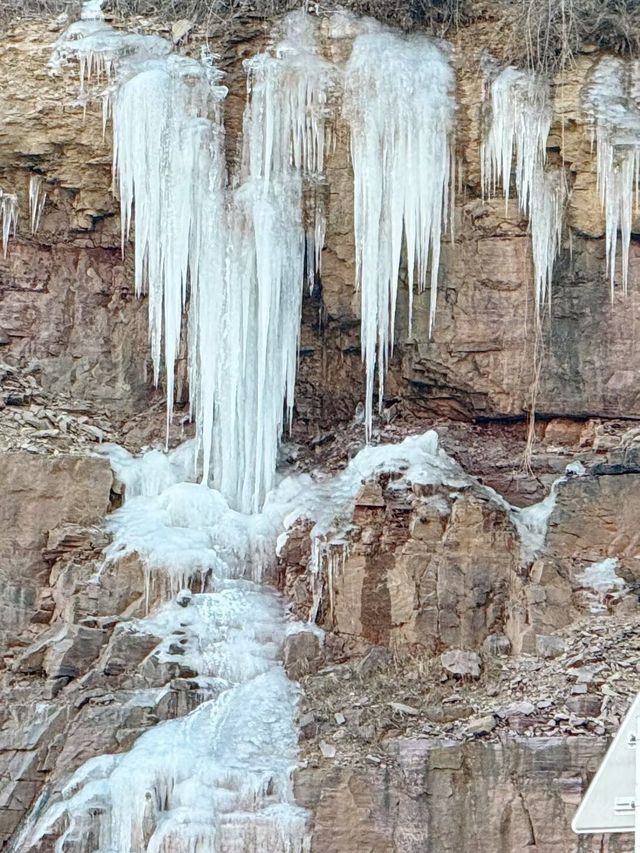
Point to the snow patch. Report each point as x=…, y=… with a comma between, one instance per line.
x=602, y=581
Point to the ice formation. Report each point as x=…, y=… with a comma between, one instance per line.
x=168, y=158
x=210, y=515
x=283, y=156
x=219, y=778
x=100, y=49
x=37, y=200
x=546, y=218
x=237, y=256
x=612, y=102
x=601, y=580
x=519, y=123
x=9, y=217
x=399, y=103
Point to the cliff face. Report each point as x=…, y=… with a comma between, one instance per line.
x=398, y=752
x=480, y=360
x=437, y=795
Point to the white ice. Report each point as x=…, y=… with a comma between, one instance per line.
x=519, y=122
x=236, y=255
x=601, y=581
x=602, y=576
x=37, y=200
x=532, y=522
x=612, y=103
x=252, y=386
x=8, y=217
x=399, y=103
x=219, y=778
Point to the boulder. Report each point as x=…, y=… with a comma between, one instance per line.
x=302, y=653
x=461, y=663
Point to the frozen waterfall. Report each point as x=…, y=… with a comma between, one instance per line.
x=283, y=154
x=519, y=122
x=218, y=779
x=399, y=103
x=235, y=254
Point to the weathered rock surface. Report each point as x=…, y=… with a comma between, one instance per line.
x=39, y=494
x=443, y=568
x=433, y=795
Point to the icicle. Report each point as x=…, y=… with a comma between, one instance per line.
x=520, y=120
x=9, y=216
x=253, y=383
x=240, y=261
x=168, y=156
x=546, y=215
x=520, y=123
x=612, y=103
x=37, y=201
x=400, y=106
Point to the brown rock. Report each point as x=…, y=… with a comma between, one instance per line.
x=73, y=651
x=302, y=653
x=39, y=494
x=524, y=790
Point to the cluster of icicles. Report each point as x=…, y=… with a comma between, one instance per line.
x=612, y=103
x=237, y=248
x=10, y=208
x=520, y=111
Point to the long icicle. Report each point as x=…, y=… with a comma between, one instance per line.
x=399, y=103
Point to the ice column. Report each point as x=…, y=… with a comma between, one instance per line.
x=168, y=157
x=283, y=154
x=9, y=217
x=37, y=201
x=238, y=257
x=520, y=119
x=399, y=103
x=612, y=103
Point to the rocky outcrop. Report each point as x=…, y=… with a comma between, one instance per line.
x=439, y=568
x=66, y=301
x=66, y=294
x=432, y=570
x=434, y=795
x=39, y=495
